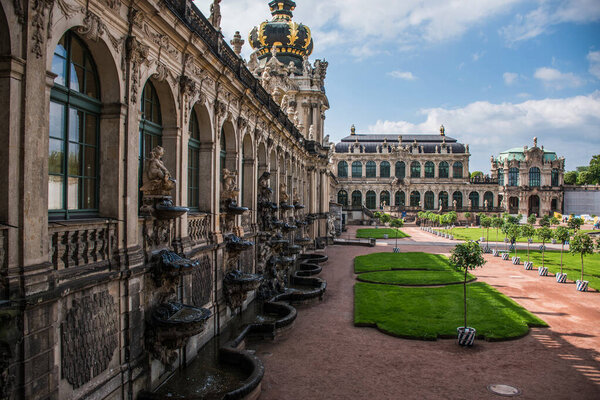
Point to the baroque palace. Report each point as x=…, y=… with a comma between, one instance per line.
x=138, y=145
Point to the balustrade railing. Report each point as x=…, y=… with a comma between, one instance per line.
x=199, y=227
x=73, y=244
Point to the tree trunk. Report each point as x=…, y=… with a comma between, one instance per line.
x=465, y=295
x=581, y=266
x=496, y=239
x=527, y=249
x=543, y=251
x=561, y=253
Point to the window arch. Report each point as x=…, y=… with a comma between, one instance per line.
x=457, y=170
x=489, y=197
x=457, y=197
x=370, y=200
x=513, y=177
x=429, y=169
x=342, y=169
x=443, y=200
x=356, y=198
x=534, y=177
x=400, y=198
x=357, y=169
x=415, y=199
x=193, y=162
x=415, y=169
x=74, y=122
x=444, y=170
x=429, y=200
x=342, y=197
x=371, y=169
x=384, y=198
x=554, y=177
x=501, y=177
x=384, y=169
x=474, y=200
x=400, y=169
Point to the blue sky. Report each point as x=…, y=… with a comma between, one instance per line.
x=496, y=73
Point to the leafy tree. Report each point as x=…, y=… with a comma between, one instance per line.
x=554, y=221
x=486, y=222
x=397, y=223
x=583, y=245
x=513, y=232
x=532, y=219
x=504, y=228
x=545, y=234
x=561, y=234
x=468, y=216
x=497, y=223
x=476, y=173
x=594, y=170
x=466, y=256
x=528, y=231
x=575, y=223
x=584, y=178
x=545, y=221
x=571, y=177
x=385, y=218
x=511, y=219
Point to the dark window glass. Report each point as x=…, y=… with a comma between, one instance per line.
x=444, y=169
x=370, y=200
x=384, y=169
x=429, y=200
x=443, y=199
x=371, y=169
x=400, y=198
x=342, y=197
x=415, y=169
x=457, y=197
x=400, y=170
x=457, y=170
x=384, y=198
x=501, y=177
x=415, y=199
x=342, y=169
x=193, y=162
x=357, y=169
x=356, y=198
x=429, y=169
x=554, y=177
x=150, y=127
x=489, y=197
x=474, y=200
x=513, y=177
x=534, y=177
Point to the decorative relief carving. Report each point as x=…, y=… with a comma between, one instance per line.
x=114, y=5
x=92, y=27
x=202, y=283
x=89, y=337
x=137, y=53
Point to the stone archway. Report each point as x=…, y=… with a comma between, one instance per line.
x=513, y=205
x=534, y=205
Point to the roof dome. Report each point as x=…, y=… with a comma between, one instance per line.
x=292, y=41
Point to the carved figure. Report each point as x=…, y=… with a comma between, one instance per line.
x=215, y=14
x=485, y=204
x=228, y=189
x=311, y=132
x=326, y=140
x=306, y=67
x=253, y=62
x=283, y=196
x=284, y=103
x=454, y=204
x=295, y=196
x=331, y=225
x=156, y=179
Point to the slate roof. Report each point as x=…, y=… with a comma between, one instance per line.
x=371, y=141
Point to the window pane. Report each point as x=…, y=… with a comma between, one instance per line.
x=76, y=52
x=89, y=161
x=91, y=89
x=90, y=129
x=76, y=78
x=73, y=163
x=58, y=67
x=55, y=156
x=57, y=120
x=88, y=200
x=55, y=192
x=72, y=193
x=75, y=124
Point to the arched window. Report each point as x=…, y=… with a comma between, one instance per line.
x=415, y=169
x=150, y=127
x=342, y=198
x=371, y=171
x=489, y=197
x=400, y=168
x=370, y=200
x=534, y=177
x=457, y=197
x=429, y=169
x=457, y=170
x=384, y=169
x=429, y=200
x=222, y=152
x=513, y=177
x=193, y=162
x=356, y=198
x=554, y=177
x=474, y=200
x=357, y=169
x=443, y=200
x=444, y=169
x=342, y=169
x=415, y=199
x=74, y=121
x=501, y=177
x=400, y=198
x=384, y=198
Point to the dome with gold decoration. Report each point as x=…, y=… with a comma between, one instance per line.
x=291, y=40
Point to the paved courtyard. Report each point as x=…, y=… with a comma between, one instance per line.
x=325, y=356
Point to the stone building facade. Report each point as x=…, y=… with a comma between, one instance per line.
x=89, y=88
x=408, y=173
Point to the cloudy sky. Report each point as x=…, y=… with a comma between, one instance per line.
x=496, y=73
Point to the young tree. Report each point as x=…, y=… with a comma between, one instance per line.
x=486, y=222
x=545, y=234
x=575, y=223
x=511, y=219
x=583, y=245
x=385, y=218
x=528, y=231
x=505, y=227
x=452, y=218
x=532, y=219
x=468, y=217
x=561, y=234
x=513, y=232
x=554, y=221
x=545, y=221
x=466, y=256
x=497, y=223
x=397, y=223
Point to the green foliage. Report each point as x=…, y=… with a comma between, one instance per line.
x=511, y=219
x=378, y=233
x=584, y=178
x=532, y=219
x=583, y=245
x=485, y=221
x=554, y=221
x=385, y=218
x=575, y=223
x=397, y=223
x=395, y=261
x=544, y=234
x=594, y=170
x=476, y=173
x=561, y=234
x=545, y=221
x=528, y=231
x=467, y=256
x=571, y=177
x=497, y=222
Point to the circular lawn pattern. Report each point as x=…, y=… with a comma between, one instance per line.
x=414, y=278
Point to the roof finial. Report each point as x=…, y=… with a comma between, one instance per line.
x=535, y=142
x=442, y=130
x=352, y=130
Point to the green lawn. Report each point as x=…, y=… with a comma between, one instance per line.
x=429, y=313
x=398, y=261
x=378, y=233
x=415, y=278
x=477, y=233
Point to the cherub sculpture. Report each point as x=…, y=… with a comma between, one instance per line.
x=156, y=178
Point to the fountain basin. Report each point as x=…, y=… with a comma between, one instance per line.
x=288, y=228
x=313, y=258
x=233, y=208
x=237, y=284
x=294, y=249
x=303, y=240
x=173, y=264
x=163, y=211
x=308, y=269
x=238, y=244
x=298, y=206
x=286, y=206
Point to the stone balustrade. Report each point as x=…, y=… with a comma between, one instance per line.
x=199, y=227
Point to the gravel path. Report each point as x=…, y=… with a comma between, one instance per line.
x=325, y=357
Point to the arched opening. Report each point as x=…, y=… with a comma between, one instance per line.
x=357, y=169
x=200, y=160
x=500, y=177
x=457, y=170
x=74, y=131
x=384, y=198
x=554, y=205
x=488, y=200
x=400, y=198
x=554, y=177
x=513, y=177
x=342, y=198
x=415, y=169
x=262, y=158
x=429, y=200
x=247, y=172
x=370, y=200
x=444, y=169
x=400, y=170
x=342, y=169
x=371, y=170
x=457, y=198
x=415, y=199
x=534, y=205
x=356, y=198
x=534, y=177
x=384, y=169
x=513, y=205
x=443, y=200
x=429, y=169
x=474, y=200
x=228, y=148
x=193, y=178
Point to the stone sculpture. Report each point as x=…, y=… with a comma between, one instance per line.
x=215, y=14
x=156, y=179
x=283, y=196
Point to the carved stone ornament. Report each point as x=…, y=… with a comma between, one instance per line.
x=156, y=178
x=89, y=337
x=92, y=27
x=202, y=282
x=137, y=53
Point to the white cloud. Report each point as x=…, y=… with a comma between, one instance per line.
x=594, y=59
x=477, y=56
x=510, y=77
x=568, y=126
x=554, y=79
x=548, y=14
x=407, y=76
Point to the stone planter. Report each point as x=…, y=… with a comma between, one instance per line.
x=496, y=253
x=516, y=260
x=466, y=336
x=505, y=256
x=396, y=250
x=451, y=237
x=561, y=277
x=385, y=236
x=528, y=265
x=543, y=271
x=542, y=247
x=582, y=286
x=482, y=239
x=553, y=241
x=511, y=247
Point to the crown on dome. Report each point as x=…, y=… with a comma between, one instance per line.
x=290, y=40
